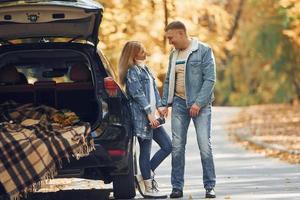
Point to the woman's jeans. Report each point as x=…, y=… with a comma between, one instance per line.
x=180, y=124
x=163, y=140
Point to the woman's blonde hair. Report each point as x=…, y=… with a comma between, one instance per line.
x=130, y=50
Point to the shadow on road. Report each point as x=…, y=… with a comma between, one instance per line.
x=92, y=194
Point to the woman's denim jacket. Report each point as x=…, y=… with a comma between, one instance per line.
x=138, y=90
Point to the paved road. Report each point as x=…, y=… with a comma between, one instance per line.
x=240, y=174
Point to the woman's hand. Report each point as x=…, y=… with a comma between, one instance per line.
x=153, y=122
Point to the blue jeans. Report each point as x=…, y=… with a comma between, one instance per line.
x=163, y=140
x=180, y=123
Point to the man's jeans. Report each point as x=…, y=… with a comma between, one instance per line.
x=180, y=123
x=163, y=140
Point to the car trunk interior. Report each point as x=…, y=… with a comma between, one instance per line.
x=58, y=78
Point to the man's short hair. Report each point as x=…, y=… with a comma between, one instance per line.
x=175, y=25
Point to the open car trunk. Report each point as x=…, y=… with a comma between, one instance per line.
x=62, y=79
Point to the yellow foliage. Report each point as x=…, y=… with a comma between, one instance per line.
x=293, y=7
x=145, y=21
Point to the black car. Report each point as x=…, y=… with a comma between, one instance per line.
x=44, y=40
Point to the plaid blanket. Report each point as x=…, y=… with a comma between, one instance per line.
x=33, y=143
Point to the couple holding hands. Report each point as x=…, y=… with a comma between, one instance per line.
x=188, y=89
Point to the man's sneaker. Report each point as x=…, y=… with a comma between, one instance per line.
x=210, y=193
x=176, y=193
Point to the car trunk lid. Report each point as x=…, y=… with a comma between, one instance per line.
x=42, y=19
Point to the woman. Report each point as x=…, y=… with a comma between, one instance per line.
x=144, y=100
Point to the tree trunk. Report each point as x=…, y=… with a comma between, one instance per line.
x=233, y=31
x=236, y=20
x=152, y=6
x=296, y=83
x=166, y=22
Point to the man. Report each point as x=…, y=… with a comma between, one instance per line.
x=188, y=88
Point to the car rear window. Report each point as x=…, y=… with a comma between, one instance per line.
x=70, y=72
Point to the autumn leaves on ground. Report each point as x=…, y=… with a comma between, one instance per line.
x=256, y=45
x=270, y=129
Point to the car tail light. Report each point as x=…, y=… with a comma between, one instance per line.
x=111, y=87
x=116, y=152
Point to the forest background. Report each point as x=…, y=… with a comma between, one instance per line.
x=256, y=42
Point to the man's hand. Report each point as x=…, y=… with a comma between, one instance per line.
x=163, y=111
x=195, y=110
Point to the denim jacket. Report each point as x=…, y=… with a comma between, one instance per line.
x=138, y=90
x=200, y=76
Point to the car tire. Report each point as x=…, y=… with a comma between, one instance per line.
x=124, y=185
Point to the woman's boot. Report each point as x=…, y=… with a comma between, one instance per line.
x=152, y=192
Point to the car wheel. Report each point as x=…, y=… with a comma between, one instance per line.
x=124, y=185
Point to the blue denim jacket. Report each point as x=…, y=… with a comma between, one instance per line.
x=138, y=89
x=200, y=76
